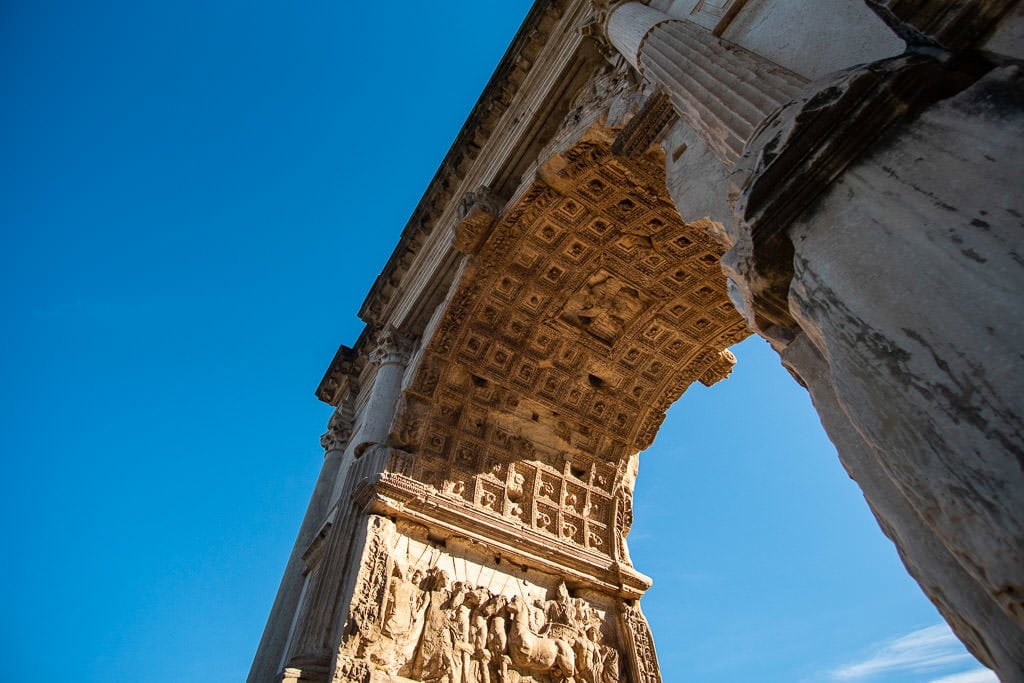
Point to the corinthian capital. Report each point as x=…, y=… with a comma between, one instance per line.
x=339, y=428
x=393, y=347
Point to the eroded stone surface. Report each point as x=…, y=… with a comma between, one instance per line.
x=904, y=276
x=943, y=250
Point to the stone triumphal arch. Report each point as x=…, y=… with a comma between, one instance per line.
x=639, y=187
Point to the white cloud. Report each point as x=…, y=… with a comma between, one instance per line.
x=974, y=676
x=920, y=651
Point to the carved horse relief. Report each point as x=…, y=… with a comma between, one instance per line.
x=534, y=653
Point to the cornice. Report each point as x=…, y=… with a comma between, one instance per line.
x=400, y=497
x=496, y=98
x=341, y=374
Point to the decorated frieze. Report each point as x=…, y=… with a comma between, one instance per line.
x=426, y=611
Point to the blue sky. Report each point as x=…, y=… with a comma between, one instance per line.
x=195, y=198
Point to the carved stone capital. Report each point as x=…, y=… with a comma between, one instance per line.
x=478, y=212
x=393, y=348
x=595, y=29
x=720, y=369
x=339, y=429
x=612, y=95
x=648, y=126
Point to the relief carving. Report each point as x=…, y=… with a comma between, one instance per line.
x=613, y=92
x=586, y=312
x=371, y=589
x=473, y=624
x=604, y=306
x=538, y=654
x=477, y=214
x=339, y=428
x=647, y=126
x=639, y=633
x=349, y=670
x=405, y=602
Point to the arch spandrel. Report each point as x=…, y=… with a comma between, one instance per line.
x=586, y=308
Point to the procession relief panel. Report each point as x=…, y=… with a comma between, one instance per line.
x=425, y=612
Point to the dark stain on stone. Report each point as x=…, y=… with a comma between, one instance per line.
x=968, y=401
x=938, y=202
x=978, y=223
x=973, y=255
x=1014, y=213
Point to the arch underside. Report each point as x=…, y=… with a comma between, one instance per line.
x=582, y=313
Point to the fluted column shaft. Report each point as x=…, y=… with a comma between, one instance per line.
x=316, y=624
x=275, y=635
x=722, y=90
x=390, y=356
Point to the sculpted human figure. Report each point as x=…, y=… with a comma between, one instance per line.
x=561, y=616
x=589, y=659
x=478, y=634
x=536, y=619
x=497, y=635
x=586, y=615
x=610, y=663
x=434, y=656
x=404, y=600
x=459, y=608
x=403, y=619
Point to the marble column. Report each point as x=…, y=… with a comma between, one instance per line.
x=722, y=90
x=316, y=627
x=390, y=357
x=272, y=646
